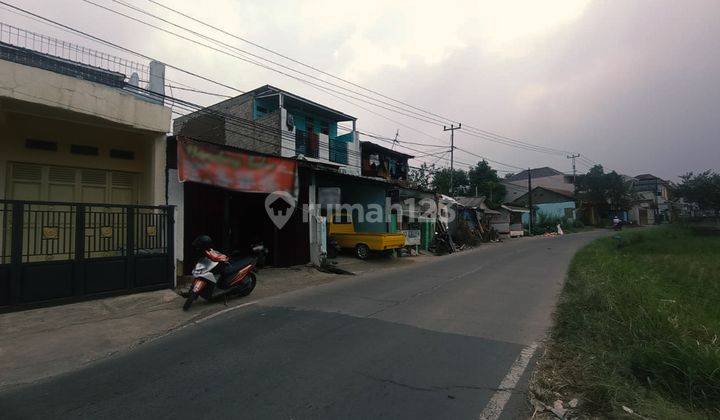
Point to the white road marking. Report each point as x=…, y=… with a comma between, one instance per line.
x=213, y=315
x=495, y=406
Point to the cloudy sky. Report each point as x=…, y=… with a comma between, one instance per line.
x=633, y=85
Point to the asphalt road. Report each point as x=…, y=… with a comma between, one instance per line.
x=430, y=340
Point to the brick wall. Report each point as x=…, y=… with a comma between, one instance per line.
x=233, y=124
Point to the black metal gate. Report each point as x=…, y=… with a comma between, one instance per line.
x=57, y=252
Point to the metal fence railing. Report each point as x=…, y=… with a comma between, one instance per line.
x=38, y=50
x=60, y=231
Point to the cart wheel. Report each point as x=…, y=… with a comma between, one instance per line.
x=362, y=251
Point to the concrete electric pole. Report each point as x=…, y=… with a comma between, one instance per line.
x=452, y=129
x=530, y=205
x=573, y=156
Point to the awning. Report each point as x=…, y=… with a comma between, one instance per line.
x=515, y=209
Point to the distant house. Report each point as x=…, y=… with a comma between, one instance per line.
x=479, y=205
x=517, y=185
x=652, y=200
x=549, y=202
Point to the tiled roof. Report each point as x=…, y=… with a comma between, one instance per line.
x=535, y=173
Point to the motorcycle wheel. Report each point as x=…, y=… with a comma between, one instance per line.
x=190, y=299
x=253, y=282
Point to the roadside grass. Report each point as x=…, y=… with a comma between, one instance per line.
x=638, y=325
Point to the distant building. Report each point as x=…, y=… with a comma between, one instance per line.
x=550, y=202
x=652, y=202
x=517, y=184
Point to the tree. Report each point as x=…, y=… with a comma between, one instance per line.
x=619, y=190
x=484, y=179
x=604, y=191
x=421, y=177
x=441, y=181
x=702, y=189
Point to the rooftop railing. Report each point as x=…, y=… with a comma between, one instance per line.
x=38, y=50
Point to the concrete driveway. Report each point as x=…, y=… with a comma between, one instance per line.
x=449, y=337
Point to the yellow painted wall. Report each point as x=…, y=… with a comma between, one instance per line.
x=149, y=161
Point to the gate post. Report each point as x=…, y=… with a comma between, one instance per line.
x=130, y=248
x=16, y=252
x=78, y=266
x=170, y=248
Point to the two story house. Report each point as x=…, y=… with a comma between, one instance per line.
x=652, y=200
x=82, y=172
x=275, y=122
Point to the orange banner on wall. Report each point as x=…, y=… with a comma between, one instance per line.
x=208, y=164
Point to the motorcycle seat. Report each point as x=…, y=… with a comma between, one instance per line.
x=236, y=265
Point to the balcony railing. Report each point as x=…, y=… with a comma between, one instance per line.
x=307, y=144
x=338, y=151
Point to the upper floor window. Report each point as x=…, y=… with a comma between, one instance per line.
x=374, y=159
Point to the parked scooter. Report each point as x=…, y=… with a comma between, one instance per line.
x=218, y=276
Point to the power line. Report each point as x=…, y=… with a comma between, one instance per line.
x=442, y=119
x=197, y=91
x=474, y=131
x=528, y=147
x=104, y=42
x=113, y=45
x=268, y=67
x=482, y=133
x=489, y=160
x=255, y=44
x=314, y=85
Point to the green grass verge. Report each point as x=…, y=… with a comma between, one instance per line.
x=638, y=325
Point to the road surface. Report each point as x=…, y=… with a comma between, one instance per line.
x=446, y=339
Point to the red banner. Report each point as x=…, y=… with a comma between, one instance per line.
x=208, y=164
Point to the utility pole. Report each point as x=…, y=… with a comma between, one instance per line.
x=452, y=129
x=395, y=140
x=657, y=203
x=530, y=205
x=573, y=156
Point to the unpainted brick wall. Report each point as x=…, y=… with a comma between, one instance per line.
x=237, y=129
